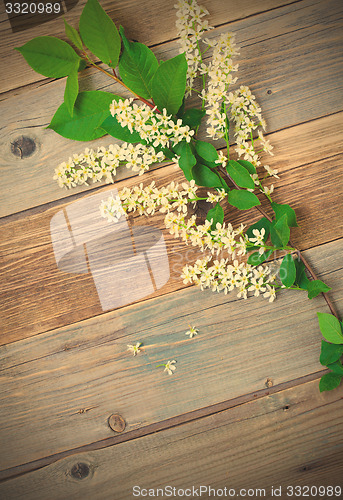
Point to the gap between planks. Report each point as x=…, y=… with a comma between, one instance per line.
x=137, y=20
x=319, y=123
x=169, y=423
x=297, y=95
x=86, y=365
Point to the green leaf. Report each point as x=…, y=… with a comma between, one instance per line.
x=301, y=279
x=243, y=200
x=336, y=367
x=204, y=176
x=262, y=223
x=71, y=90
x=206, y=151
x=169, y=84
x=50, y=56
x=192, y=117
x=329, y=381
x=330, y=353
x=99, y=33
x=240, y=175
x=90, y=110
x=330, y=328
x=248, y=166
x=316, y=287
x=255, y=259
x=281, y=210
x=111, y=126
x=280, y=232
x=287, y=270
x=137, y=66
x=187, y=160
x=217, y=214
x=73, y=35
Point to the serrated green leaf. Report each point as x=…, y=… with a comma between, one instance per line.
x=301, y=279
x=330, y=328
x=243, y=200
x=330, y=353
x=287, y=270
x=187, y=160
x=280, y=232
x=316, y=287
x=336, y=367
x=204, y=176
x=50, y=56
x=329, y=381
x=168, y=86
x=239, y=174
x=90, y=110
x=255, y=259
x=73, y=35
x=262, y=223
x=137, y=66
x=99, y=33
x=216, y=214
x=71, y=90
x=192, y=117
x=206, y=151
x=248, y=166
x=281, y=210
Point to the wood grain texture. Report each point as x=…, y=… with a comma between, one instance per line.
x=290, y=438
x=47, y=381
x=292, y=52
x=150, y=22
x=37, y=296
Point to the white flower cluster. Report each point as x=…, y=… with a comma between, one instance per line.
x=191, y=25
x=223, y=276
x=219, y=73
x=246, y=114
x=173, y=200
x=156, y=129
x=103, y=163
x=223, y=238
x=147, y=200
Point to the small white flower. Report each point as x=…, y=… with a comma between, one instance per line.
x=270, y=293
x=169, y=366
x=192, y=331
x=134, y=348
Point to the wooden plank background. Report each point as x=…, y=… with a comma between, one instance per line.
x=262, y=444
x=243, y=403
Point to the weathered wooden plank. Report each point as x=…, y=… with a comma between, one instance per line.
x=290, y=438
x=38, y=296
x=150, y=22
x=50, y=380
x=291, y=51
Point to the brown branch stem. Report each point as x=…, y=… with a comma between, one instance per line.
x=114, y=77
x=306, y=264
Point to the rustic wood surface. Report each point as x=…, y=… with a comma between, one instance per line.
x=261, y=444
x=243, y=409
x=88, y=366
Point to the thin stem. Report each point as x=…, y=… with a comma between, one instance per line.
x=306, y=264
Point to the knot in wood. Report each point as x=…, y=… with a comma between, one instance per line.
x=80, y=470
x=23, y=147
x=117, y=423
